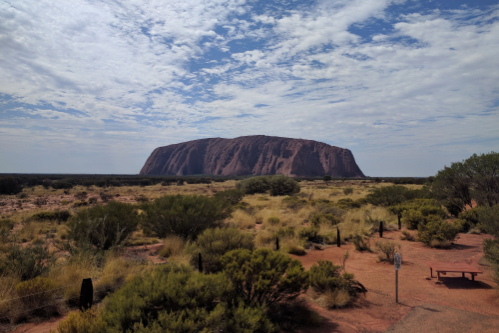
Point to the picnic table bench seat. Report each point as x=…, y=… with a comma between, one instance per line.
x=442, y=267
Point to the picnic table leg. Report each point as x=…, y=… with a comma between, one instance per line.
x=438, y=276
x=472, y=276
x=463, y=274
x=431, y=272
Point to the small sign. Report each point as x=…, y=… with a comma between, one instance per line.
x=397, y=261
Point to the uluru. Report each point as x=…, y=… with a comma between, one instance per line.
x=252, y=155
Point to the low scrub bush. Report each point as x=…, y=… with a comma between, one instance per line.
x=310, y=234
x=387, y=250
x=104, y=226
x=264, y=277
x=234, y=196
x=294, y=203
x=415, y=211
x=273, y=220
x=324, y=218
x=214, y=243
x=407, y=235
x=36, y=293
x=173, y=245
x=254, y=185
x=81, y=322
x=62, y=216
x=276, y=185
x=437, y=232
x=348, y=203
x=183, y=215
x=6, y=225
x=348, y=191
x=361, y=244
x=175, y=299
x=394, y=195
x=282, y=185
x=469, y=219
x=26, y=262
x=337, y=289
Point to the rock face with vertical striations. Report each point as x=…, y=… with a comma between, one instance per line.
x=252, y=155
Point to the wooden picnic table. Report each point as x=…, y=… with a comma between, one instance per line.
x=442, y=267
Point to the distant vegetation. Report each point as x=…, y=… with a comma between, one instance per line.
x=60, y=229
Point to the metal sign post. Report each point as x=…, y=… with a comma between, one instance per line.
x=398, y=263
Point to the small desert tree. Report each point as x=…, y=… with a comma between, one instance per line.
x=264, y=277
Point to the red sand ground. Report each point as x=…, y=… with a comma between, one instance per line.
x=377, y=311
x=426, y=305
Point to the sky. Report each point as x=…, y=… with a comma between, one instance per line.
x=409, y=86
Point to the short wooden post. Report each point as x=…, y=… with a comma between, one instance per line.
x=277, y=243
x=338, y=238
x=200, y=263
x=381, y=229
x=400, y=223
x=86, y=295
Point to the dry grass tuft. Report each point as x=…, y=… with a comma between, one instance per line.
x=173, y=246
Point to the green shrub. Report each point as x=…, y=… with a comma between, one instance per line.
x=62, y=215
x=293, y=202
x=26, y=262
x=407, y=235
x=348, y=191
x=348, y=203
x=387, y=250
x=254, y=185
x=234, y=196
x=81, y=322
x=264, y=277
x=394, y=195
x=277, y=185
x=6, y=225
x=412, y=218
x=36, y=293
x=273, y=220
x=214, y=243
x=360, y=244
x=177, y=299
x=436, y=230
x=104, y=226
x=282, y=185
x=310, y=234
x=183, y=215
x=324, y=218
x=489, y=220
x=469, y=219
x=325, y=277
x=285, y=232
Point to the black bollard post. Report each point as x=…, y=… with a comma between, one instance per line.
x=200, y=263
x=338, y=239
x=86, y=295
x=381, y=229
x=400, y=224
x=277, y=243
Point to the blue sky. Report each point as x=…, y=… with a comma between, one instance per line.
x=94, y=86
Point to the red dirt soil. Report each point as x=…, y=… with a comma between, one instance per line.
x=377, y=310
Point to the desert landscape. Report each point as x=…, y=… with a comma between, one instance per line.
x=249, y=166
x=301, y=222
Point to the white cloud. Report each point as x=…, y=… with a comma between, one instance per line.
x=422, y=84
